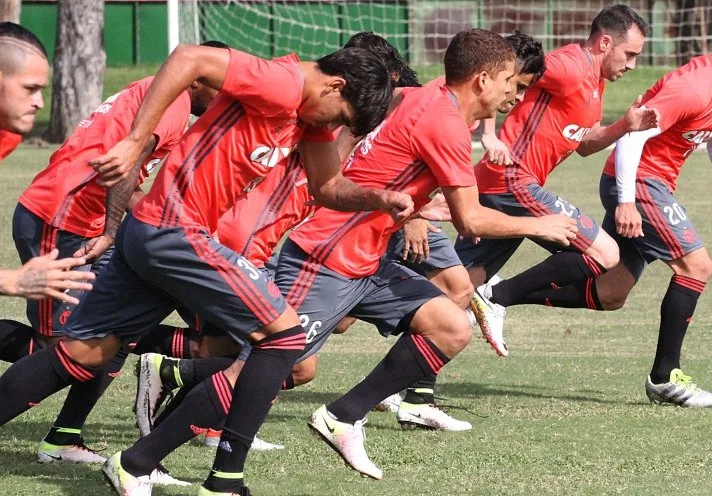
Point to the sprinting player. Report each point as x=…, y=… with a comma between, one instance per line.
x=642, y=214
x=252, y=228
x=559, y=115
x=165, y=255
x=23, y=74
x=424, y=248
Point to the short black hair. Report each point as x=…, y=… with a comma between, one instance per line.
x=17, y=32
x=408, y=78
x=473, y=51
x=380, y=46
x=529, y=53
x=616, y=20
x=215, y=44
x=368, y=88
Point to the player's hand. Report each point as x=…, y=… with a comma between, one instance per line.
x=557, y=228
x=415, y=240
x=399, y=205
x=116, y=164
x=95, y=247
x=640, y=118
x=497, y=152
x=629, y=223
x=436, y=209
x=45, y=276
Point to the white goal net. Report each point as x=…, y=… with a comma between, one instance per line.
x=421, y=29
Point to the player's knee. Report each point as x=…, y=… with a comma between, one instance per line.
x=344, y=324
x=304, y=371
x=460, y=291
x=697, y=265
x=606, y=251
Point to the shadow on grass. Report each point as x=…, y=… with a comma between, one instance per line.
x=457, y=390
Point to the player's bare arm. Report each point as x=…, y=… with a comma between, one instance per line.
x=187, y=63
x=46, y=277
x=470, y=218
x=497, y=151
x=117, y=201
x=332, y=190
x=637, y=118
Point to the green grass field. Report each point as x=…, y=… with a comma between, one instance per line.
x=566, y=413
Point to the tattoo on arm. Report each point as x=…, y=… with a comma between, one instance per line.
x=118, y=196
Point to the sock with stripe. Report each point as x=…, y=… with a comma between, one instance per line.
x=194, y=371
x=16, y=340
x=676, y=312
x=35, y=377
x=167, y=340
x=269, y=363
x=559, y=270
x=80, y=401
x=582, y=294
x=421, y=391
x=205, y=406
x=410, y=359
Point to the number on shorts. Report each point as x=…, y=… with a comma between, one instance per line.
x=675, y=213
x=313, y=330
x=565, y=207
x=251, y=270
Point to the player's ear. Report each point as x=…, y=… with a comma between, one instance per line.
x=336, y=83
x=480, y=81
x=605, y=42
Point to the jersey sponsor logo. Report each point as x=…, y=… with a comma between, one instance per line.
x=574, y=132
x=269, y=156
x=105, y=107
x=697, y=137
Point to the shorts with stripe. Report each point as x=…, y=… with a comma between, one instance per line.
x=669, y=233
x=154, y=270
x=34, y=237
x=523, y=200
x=442, y=253
x=323, y=297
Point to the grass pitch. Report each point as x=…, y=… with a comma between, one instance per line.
x=566, y=413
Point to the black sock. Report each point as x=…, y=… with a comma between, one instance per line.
x=411, y=358
x=676, y=312
x=288, y=383
x=16, y=340
x=582, y=294
x=196, y=370
x=80, y=401
x=559, y=270
x=166, y=340
x=35, y=377
x=205, y=406
x=269, y=363
x=422, y=391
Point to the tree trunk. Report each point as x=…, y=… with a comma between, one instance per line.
x=10, y=11
x=79, y=62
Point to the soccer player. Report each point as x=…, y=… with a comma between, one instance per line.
x=559, y=115
x=165, y=255
x=23, y=74
x=637, y=191
x=424, y=248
